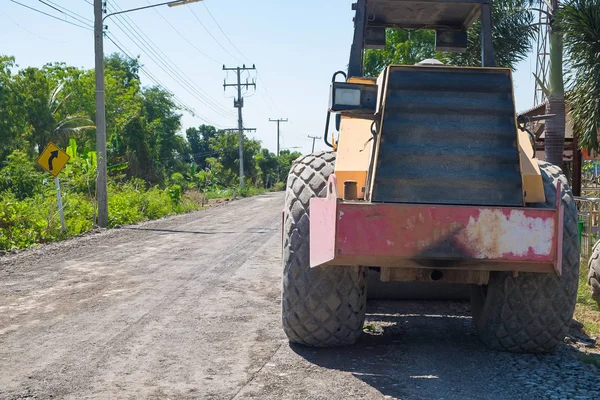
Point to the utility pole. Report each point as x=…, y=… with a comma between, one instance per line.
x=314, y=139
x=239, y=104
x=99, y=18
x=101, y=183
x=279, y=121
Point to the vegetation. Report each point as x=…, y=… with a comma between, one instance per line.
x=580, y=24
x=512, y=36
x=155, y=169
x=586, y=310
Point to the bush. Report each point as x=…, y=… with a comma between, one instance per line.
x=20, y=176
x=24, y=223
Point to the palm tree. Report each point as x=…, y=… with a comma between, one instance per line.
x=555, y=126
x=62, y=128
x=43, y=106
x=580, y=23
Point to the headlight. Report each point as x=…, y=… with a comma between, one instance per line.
x=347, y=97
x=353, y=98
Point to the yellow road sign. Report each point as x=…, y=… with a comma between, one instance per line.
x=53, y=159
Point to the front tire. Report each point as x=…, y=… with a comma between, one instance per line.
x=323, y=306
x=531, y=313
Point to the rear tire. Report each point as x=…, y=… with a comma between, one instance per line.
x=594, y=274
x=323, y=306
x=532, y=312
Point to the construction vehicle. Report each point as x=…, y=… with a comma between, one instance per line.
x=430, y=180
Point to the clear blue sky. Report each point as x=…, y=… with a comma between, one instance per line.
x=296, y=46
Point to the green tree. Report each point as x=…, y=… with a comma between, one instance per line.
x=199, y=141
x=580, y=24
x=20, y=176
x=43, y=102
x=225, y=144
x=402, y=47
x=12, y=117
x=512, y=33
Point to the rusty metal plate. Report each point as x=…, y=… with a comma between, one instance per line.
x=441, y=236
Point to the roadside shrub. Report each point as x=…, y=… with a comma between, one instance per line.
x=156, y=204
x=124, y=204
x=20, y=176
x=24, y=223
x=174, y=193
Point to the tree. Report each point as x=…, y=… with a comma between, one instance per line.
x=512, y=33
x=554, y=140
x=43, y=103
x=402, y=47
x=11, y=114
x=579, y=21
x=199, y=141
x=225, y=144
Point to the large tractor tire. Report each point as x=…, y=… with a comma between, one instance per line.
x=323, y=306
x=531, y=313
x=594, y=274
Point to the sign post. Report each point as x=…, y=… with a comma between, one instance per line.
x=53, y=160
x=60, y=204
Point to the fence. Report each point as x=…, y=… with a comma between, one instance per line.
x=589, y=213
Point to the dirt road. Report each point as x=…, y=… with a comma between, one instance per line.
x=188, y=307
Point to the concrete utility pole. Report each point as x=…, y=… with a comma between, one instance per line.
x=314, y=139
x=239, y=104
x=101, y=180
x=279, y=121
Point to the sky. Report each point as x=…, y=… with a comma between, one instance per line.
x=296, y=47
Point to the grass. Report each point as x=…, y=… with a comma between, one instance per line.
x=586, y=310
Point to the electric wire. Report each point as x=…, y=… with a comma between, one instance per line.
x=160, y=61
x=263, y=85
x=178, y=101
x=224, y=34
x=180, y=76
x=156, y=81
x=89, y=28
x=186, y=39
x=212, y=36
x=67, y=12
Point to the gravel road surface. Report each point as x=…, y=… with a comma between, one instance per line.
x=188, y=307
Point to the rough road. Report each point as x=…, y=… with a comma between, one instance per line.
x=188, y=307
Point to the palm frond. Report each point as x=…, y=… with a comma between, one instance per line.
x=579, y=21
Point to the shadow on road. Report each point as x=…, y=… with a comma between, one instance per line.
x=426, y=350
x=252, y=231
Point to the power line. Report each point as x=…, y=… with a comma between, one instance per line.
x=212, y=36
x=52, y=16
x=263, y=85
x=153, y=53
x=223, y=32
x=70, y=13
x=186, y=39
x=172, y=67
x=156, y=81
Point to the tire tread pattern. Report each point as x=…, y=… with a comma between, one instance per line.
x=531, y=313
x=323, y=306
x=594, y=273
